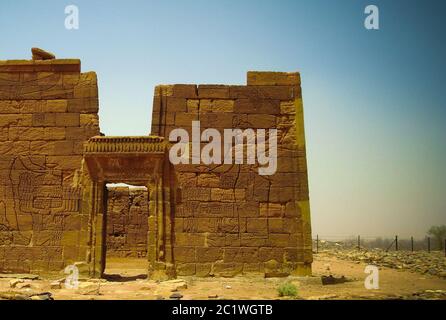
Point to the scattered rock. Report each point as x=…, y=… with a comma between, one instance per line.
x=56, y=284
x=89, y=288
x=328, y=280
x=40, y=54
x=13, y=283
x=11, y=295
x=228, y=287
x=213, y=296
x=23, y=285
x=42, y=296
x=429, y=263
x=176, y=296
x=174, y=285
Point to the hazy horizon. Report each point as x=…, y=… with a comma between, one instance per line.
x=373, y=100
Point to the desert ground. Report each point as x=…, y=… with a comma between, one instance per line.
x=125, y=280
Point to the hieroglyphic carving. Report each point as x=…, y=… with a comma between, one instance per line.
x=39, y=191
x=127, y=214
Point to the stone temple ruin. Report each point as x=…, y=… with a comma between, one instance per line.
x=190, y=219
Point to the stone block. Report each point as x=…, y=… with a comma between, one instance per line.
x=26, y=133
x=88, y=120
x=19, y=120
x=215, y=209
x=67, y=119
x=189, y=239
x=200, y=225
x=245, y=255
x=268, y=209
x=65, y=162
x=193, y=105
x=253, y=240
x=263, y=121
x=175, y=104
x=81, y=133
x=186, y=179
x=257, y=225
x=259, y=78
x=44, y=119
x=188, y=91
x=205, y=106
x=230, y=269
x=215, y=239
x=203, y=269
x=165, y=90
x=84, y=92
x=257, y=106
x=208, y=180
x=217, y=120
x=282, y=194
x=288, y=107
x=56, y=106
x=247, y=209
x=70, y=79
x=267, y=254
x=209, y=254
x=198, y=193
x=14, y=147
x=230, y=225
x=280, y=240
x=83, y=105
x=184, y=120
x=213, y=91
x=185, y=269
x=291, y=210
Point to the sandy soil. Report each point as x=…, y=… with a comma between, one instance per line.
x=125, y=280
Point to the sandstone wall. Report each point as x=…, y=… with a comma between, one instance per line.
x=229, y=219
x=48, y=109
x=127, y=217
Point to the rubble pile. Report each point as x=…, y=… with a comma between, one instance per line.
x=432, y=263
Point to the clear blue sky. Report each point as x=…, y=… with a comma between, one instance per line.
x=374, y=100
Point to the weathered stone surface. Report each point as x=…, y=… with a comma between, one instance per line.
x=38, y=193
x=40, y=54
x=213, y=91
x=128, y=211
x=255, y=219
x=256, y=78
x=194, y=219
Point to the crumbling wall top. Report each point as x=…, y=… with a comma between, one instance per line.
x=55, y=65
x=268, y=78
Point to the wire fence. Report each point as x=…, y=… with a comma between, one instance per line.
x=372, y=242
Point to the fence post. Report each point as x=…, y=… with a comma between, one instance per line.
x=411, y=243
x=359, y=242
x=396, y=243
x=428, y=244
x=317, y=243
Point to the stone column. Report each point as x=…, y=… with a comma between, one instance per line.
x=96, y=223
x=159, y=244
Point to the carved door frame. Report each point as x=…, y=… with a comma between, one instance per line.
x=156, y=176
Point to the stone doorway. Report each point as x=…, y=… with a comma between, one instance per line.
x=138, y=161
x=126, y=225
